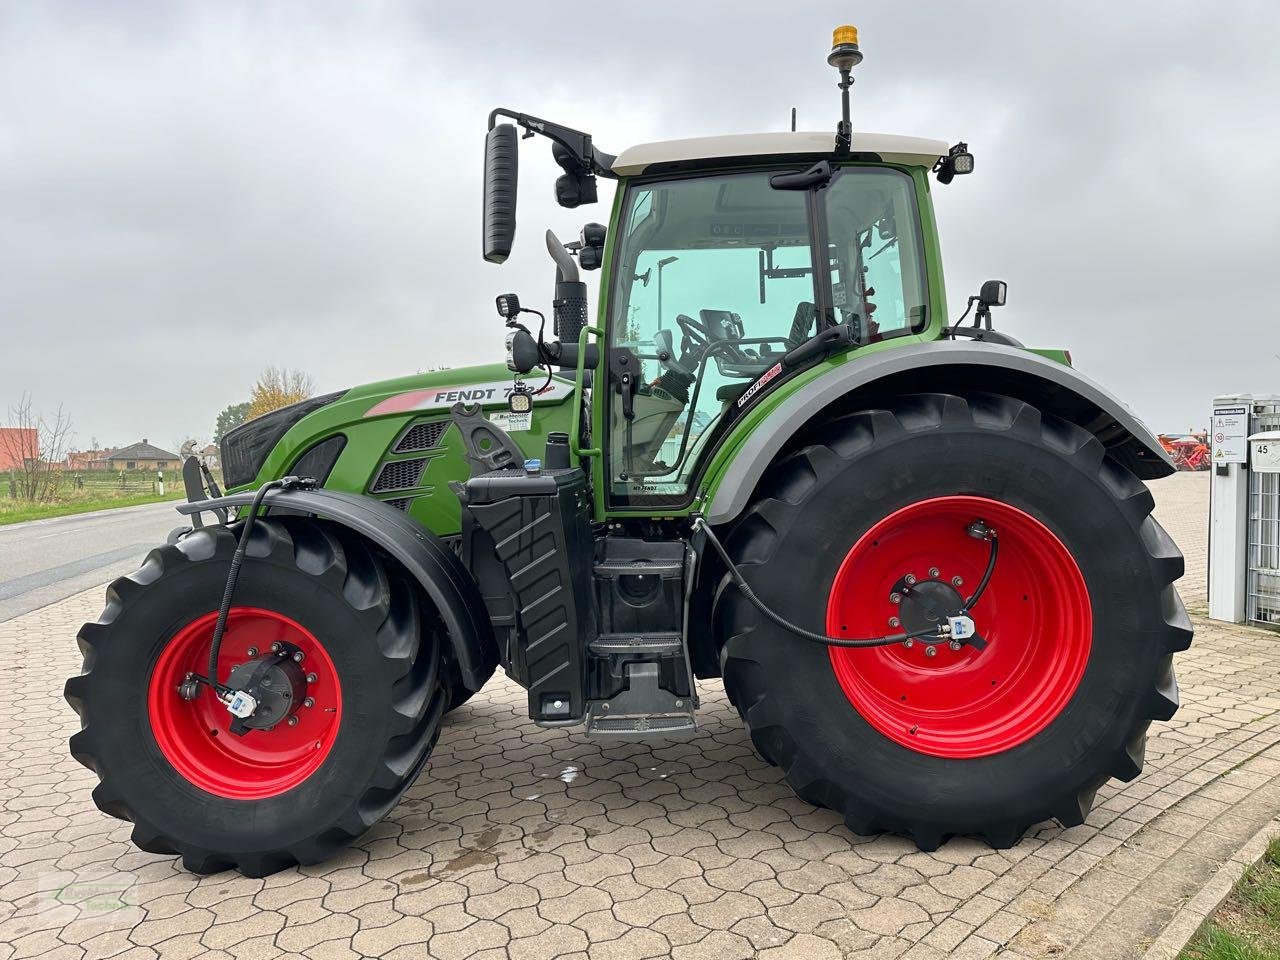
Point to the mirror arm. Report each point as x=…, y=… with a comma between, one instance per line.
x=575, y=141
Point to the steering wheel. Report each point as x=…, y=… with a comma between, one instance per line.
x=695, y=333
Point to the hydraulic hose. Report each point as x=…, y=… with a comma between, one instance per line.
x=885, y=641
x=237, y=559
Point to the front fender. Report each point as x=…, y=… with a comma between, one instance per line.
x=940, y=367
x=424, y=555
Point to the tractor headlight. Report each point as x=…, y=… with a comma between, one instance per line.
x=245, y=449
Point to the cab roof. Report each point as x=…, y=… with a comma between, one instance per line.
x=703, y=151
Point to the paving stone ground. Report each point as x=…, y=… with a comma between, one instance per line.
x=519, y=843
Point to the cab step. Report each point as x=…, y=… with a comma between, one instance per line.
x=643, y=709
x=659, y=643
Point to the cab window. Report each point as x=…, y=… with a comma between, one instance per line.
x=714, y=282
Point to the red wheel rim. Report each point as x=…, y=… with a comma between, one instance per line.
x=195, y=735
x=1035, y=616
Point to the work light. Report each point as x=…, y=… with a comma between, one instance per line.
x=508, y=305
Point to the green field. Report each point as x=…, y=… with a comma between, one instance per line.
x=1247, y=925
x=96, y=490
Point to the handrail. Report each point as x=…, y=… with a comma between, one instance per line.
x=579, y=377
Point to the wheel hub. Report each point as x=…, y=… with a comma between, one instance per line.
x=278, y=684
x=928, y=604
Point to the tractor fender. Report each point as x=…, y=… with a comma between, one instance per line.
x=426, y=557
x=941, y=367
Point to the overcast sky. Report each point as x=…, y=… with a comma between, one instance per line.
x=189, y=192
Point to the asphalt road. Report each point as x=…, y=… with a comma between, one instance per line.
x=44, y=561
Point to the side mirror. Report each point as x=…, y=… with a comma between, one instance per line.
x=992, y=293
x=501, y=167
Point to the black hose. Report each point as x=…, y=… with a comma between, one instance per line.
x=219, y=628
x=986, y=576
x=885, y=641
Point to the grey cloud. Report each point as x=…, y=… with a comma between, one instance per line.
x=191, y=191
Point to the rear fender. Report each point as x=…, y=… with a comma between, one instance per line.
x=426, y=557
x=942, y=367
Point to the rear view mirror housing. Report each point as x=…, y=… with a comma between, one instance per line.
x=501, y=173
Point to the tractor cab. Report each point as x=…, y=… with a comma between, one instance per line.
x=732, y=264
x=729, y=256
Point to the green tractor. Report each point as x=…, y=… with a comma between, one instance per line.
x=920, y=556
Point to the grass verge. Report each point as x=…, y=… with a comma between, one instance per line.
x=19, y=511
x=1247, y=925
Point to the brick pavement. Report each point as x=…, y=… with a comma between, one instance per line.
x=525, y=843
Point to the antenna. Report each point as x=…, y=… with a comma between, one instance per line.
x=844, y=56
x=793, y=119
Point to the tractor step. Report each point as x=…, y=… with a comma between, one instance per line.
x=637, y=643
x=669, y=568
x=643, y=709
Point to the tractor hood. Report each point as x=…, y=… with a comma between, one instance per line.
x=392, y=440
x=488, y=385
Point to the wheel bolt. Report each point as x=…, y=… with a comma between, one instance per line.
x=275, y=648
x=934, y=571
x=895, y=622
x=293, y=721
x=309, y=702
x=955, y=645
x=297, y=657
x=253, y=651
x=930, y=651
x=957, y=581
x=311, y=678
x=895, y=598
x=908, y=643
x=910, y=578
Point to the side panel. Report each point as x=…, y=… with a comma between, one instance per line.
x=411, y=472
x=939, y=366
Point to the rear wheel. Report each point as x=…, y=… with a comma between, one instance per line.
x=868, y=517
x=359, y=708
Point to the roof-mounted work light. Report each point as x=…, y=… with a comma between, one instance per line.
x=957, y=161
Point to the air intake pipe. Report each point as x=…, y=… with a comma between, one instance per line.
x=569, y=308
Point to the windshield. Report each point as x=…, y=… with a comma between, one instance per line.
x=714, y=282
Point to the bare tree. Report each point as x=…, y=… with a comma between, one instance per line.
x=35, y=447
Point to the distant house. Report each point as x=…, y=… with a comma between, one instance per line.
x=17, y=446
x=139, y=456
x=88, y=459
x=210, y=457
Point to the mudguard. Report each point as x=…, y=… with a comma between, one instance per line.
x=425, y=556
x=938, y=367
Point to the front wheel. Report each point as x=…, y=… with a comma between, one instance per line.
x=869, y=516
x=354, y=710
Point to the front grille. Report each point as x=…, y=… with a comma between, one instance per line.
x=399, y=475
x=400, y=503
x=245, y=449
x=421, y=436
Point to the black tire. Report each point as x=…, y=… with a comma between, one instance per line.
x=847, y=473
x=333, y=584
x=459, y=693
